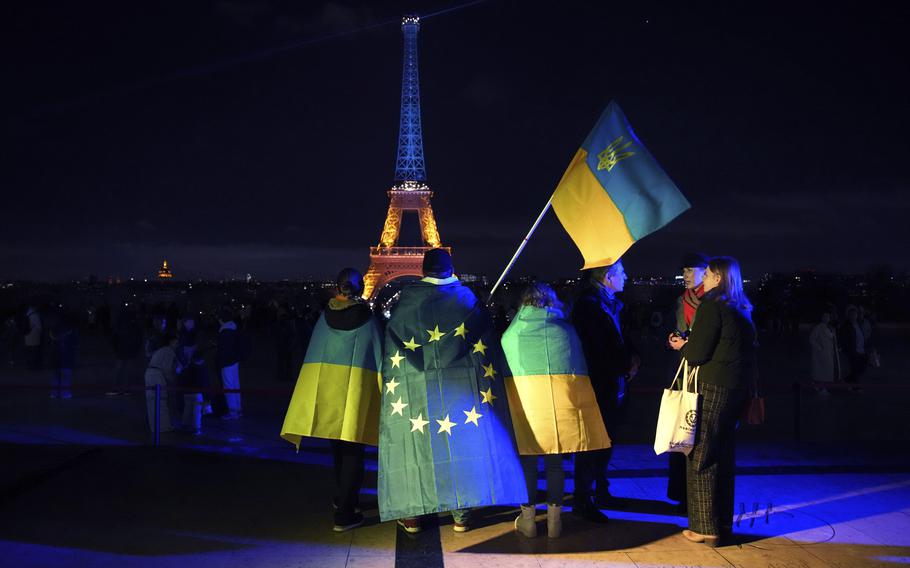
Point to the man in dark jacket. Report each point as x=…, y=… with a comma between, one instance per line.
x=693, y=269
x=127, y=342
x=611, y=362
x=227, y=359
x=853, y=341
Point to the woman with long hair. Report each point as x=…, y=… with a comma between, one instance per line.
x=551, y=400
x=722, y=344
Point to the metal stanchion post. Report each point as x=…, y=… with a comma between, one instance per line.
x=157, y=414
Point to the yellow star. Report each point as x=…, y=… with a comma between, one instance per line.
x=391, y=385
x=472, y=416
x=435, y=334
x=445, y=425
x=489, y=371
x=397, y=407
x=479, y=347
x=488, y=396
x=396, y=359
x=461, y=331
x=418, y=423
x=411, y=345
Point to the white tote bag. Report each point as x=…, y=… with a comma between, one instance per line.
x=678, y=413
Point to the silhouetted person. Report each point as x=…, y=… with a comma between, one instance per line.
x=853, y=343
x=33, y=338
x=64, y=340
x=127, y=341
x=823, y=348
x=611, y=362
x=227, y=359
x=161, y=371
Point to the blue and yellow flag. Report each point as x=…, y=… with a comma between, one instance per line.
x=337, y=395
x=614, y=192
x=554, y=410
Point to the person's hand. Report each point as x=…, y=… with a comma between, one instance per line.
x=677, y=342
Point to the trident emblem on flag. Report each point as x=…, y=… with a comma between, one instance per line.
x=613, y=154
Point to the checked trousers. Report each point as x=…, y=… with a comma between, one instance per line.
x=711, y=464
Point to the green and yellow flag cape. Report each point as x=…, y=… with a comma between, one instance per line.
x=337, y=394
x=550, y=396
x=445, y=439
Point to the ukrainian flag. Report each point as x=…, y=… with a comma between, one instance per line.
x=554, y=410
x=614, y=192
x=338, y=396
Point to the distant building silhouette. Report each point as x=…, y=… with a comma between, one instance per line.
x=164, y=272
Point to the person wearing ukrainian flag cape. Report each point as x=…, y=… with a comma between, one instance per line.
x=445, y=434
x=337, y=396
x=554, y=410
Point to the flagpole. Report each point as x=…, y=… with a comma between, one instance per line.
x=521, y=247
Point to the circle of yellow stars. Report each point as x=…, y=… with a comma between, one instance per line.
x=446, y=424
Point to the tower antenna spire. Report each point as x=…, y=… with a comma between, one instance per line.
x=410, y=165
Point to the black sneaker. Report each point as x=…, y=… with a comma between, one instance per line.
x=590, y=513
x=345, y=524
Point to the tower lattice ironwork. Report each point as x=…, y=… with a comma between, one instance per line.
x=410, y=193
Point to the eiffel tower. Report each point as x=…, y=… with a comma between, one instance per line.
x=410, y=193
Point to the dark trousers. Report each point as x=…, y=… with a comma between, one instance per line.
x=33, y=356
x=555, y=475
x=348, y=475
x=712, y=462
x=591, y=467
x=591, y=470
x=858, y=363
x=676, y=479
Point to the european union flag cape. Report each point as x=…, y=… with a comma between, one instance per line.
x=554, y=410
x=445, y=438
x=337, y=394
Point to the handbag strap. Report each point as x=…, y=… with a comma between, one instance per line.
x=693, y=379
x=684, y=367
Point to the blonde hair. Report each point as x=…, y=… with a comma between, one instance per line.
x=540, y=295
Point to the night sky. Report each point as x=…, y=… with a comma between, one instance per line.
x=239, y=136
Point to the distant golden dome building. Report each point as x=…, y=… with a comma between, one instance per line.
x=164, y=272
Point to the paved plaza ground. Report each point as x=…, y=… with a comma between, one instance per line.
x=82, y=486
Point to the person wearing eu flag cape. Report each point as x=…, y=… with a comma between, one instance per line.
x=337, y=395
x=445, y=435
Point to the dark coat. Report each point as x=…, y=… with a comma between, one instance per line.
x=609, y=357
x=229, y=349
x=194, y=376
x=723, y=343
x=127, y=336
x=65, y=341
x=346, y=315
x=846, y=338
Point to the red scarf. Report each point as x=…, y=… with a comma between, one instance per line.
x=691, y=300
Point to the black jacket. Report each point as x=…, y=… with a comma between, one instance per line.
x=347, y=314
x=228, y=351
x=609, y=358
x=723, y=343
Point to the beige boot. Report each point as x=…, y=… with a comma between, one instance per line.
x=525, y=522
x=554, y=520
